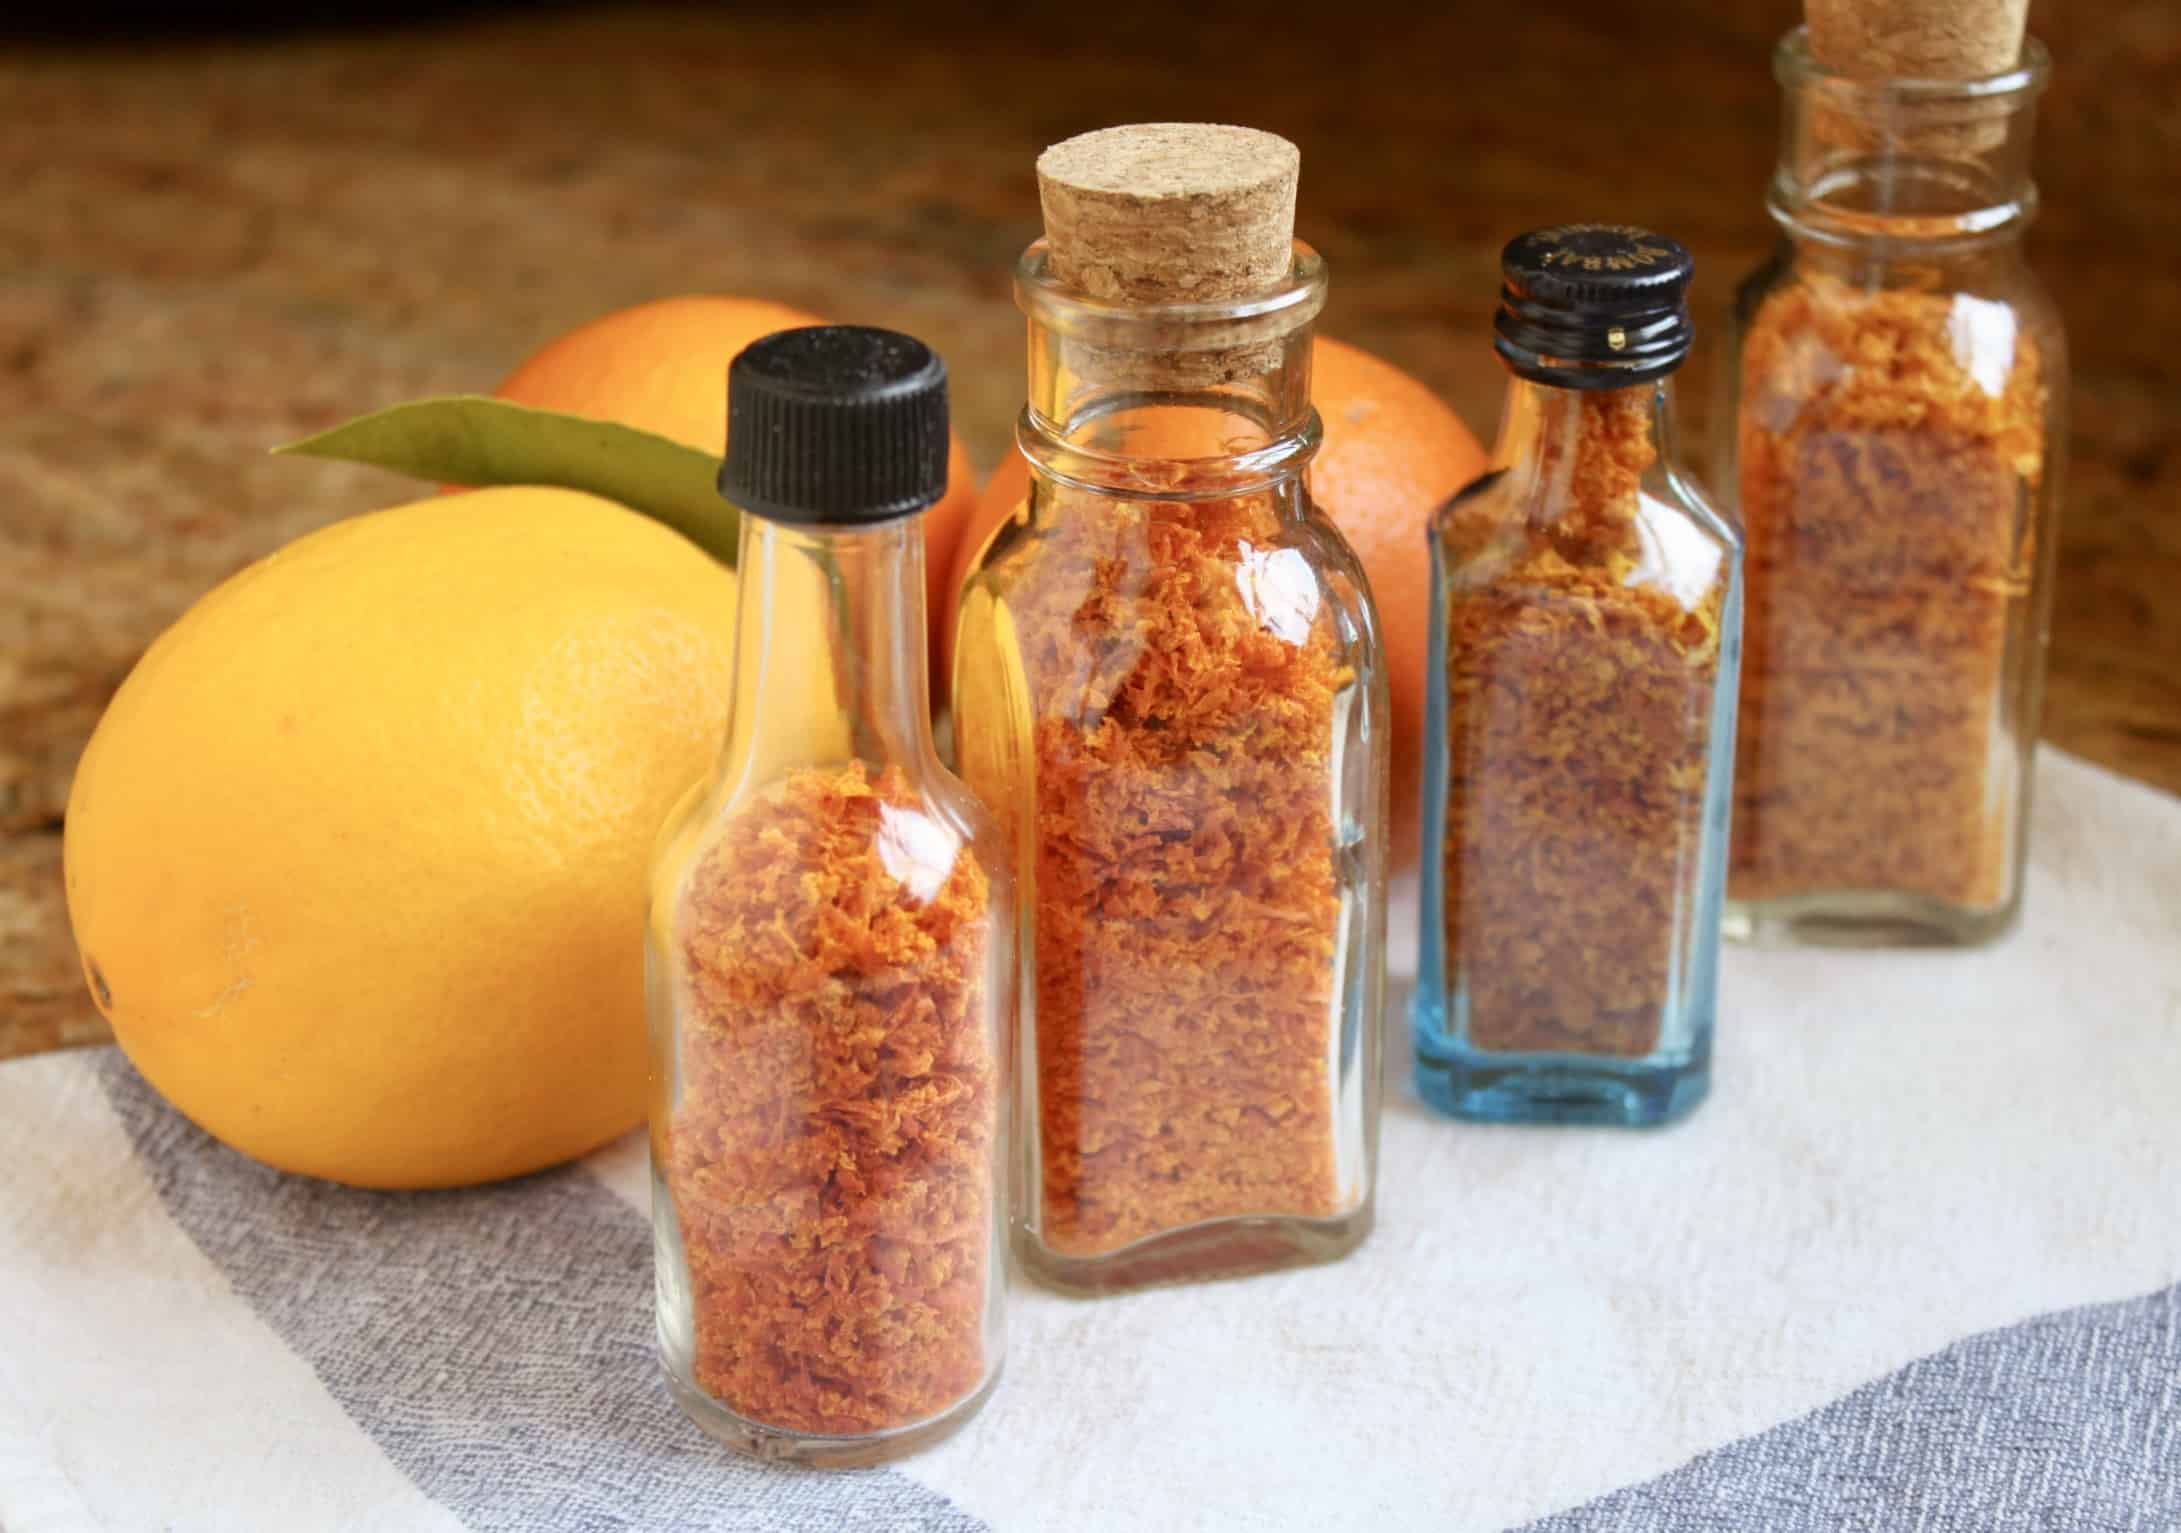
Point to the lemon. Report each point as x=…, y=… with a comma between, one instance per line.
x=357, y=857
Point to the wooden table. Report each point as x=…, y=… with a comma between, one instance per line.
x=215, y=244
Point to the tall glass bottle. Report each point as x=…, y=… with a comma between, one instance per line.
x=830, y=959
x=1899, y=399
x=1168, y=685
x=1583, y=650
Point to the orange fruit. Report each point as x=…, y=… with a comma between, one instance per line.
x=1393, y=452
x=662, y=367
x=357, y=859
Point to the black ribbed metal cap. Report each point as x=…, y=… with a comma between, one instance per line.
x=835, y=425
x=1593, y=306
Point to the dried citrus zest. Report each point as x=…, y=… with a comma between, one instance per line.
x=1579, y=702
x=830, y=1155
x=1183, y=690
x=1889, y=442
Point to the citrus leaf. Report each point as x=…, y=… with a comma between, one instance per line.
x=474, y=440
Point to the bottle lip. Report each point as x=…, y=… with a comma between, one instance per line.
x=1217, y=325
x=1796, y=67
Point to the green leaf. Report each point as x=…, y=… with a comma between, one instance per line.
x=474, y=440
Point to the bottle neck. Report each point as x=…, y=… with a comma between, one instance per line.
x=1555, y=441
x=1923, y=168
x=1170, y=401
x=829, y=646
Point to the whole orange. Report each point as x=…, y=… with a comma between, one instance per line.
x=1393, y=452
x=662, y=367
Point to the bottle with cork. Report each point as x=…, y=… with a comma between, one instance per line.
x=1898, y=403
x=830, y=966
x=1585, y=633
x=1169, y=687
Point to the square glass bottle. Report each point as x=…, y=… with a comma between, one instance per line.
x=1585, y=640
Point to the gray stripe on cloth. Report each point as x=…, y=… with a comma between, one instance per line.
x=2066, y=1423
x=496, y=1342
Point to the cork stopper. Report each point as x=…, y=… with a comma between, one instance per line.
x=1165, y=213
x=1170, y=212
x=1916, y=39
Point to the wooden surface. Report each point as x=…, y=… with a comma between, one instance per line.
x=213, y=245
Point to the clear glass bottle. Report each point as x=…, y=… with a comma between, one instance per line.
x=1898, y=394
x=1168, y=685
x=830, y=965
x=1584, y=644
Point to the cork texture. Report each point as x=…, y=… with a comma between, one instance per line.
x=1161, y=213
x=1917, y=39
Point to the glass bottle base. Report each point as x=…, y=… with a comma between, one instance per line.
x=1857, y=918
x=780, y=1446
x=1499, y=1088
x=1224, y=1248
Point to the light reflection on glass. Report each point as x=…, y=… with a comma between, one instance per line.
x=916, y=849
x=1279, y=591
x=1982, y=334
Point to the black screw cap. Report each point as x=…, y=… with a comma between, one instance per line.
x=835, y=425
x=1593, y=306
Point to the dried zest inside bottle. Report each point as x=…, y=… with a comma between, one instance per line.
x=1183, y=679
x=1579, y=708
x=1890, y=447
x=830, y=1156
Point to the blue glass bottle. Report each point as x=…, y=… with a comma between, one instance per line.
x=1585, y=646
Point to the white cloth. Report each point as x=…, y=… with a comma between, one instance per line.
x=1859, y=1287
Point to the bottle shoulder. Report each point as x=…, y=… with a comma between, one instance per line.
x=1975, y=354
x=1275, y=560
x=1200, y=611
x=1993, y=290
x=1510, y=533
x=1078, y=537
x=1680, y=492
x=914, y=816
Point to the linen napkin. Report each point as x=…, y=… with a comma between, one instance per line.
x=1916, y=1266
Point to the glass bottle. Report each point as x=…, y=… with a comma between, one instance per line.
x=1168, y=685
x=1584, y=644
x=830, y=960
x=1898, y=393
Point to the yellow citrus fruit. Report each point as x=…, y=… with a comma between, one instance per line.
x=1393, y=451
x=662, y=367
x=357, y=857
